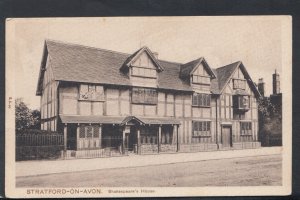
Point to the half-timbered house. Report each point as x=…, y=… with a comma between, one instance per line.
x=100, y=98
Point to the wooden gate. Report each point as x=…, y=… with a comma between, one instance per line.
x=226, y=136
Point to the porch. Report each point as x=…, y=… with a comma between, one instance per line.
x=108, y=137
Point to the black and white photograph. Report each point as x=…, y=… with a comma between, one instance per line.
x=148, y=106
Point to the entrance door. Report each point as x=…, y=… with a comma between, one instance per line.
x=226, y=136
x=132, y=138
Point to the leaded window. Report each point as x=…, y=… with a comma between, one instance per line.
x=241, y=102
x=201, y=128
x=201, y=99
x=96, y=131
x=201, y=79
x=239, y=84
x=81, y=132
x=246, y=128
x=144, y=96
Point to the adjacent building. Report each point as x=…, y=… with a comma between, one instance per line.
x=105, y=99
x=270, y=124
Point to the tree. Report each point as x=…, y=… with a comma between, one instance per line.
x=26, y=118
x=269, y=120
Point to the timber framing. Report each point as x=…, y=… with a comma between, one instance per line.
x=172, y=122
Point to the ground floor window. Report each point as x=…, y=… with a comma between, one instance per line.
x=89, y=131
x=167, y=135
x=246, y=128
x=201, y=128
x=149, y=135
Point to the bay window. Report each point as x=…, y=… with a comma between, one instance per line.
x=241, y=102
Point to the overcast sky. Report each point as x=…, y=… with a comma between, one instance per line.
x=256, y=41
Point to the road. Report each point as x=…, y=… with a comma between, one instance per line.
x=248, y=171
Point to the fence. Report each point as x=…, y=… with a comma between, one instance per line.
x=96, y=153
x=38, y=146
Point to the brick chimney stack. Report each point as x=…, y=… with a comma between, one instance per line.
x=261, y=86
x=276, y=83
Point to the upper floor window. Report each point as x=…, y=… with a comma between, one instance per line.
x=239, y=84
x=144, y=96
x=201, y=100
x=91, y=92
x=198, y=79
x=241, y=102
x=246, y=128
x=144, y=72
x=201, y=128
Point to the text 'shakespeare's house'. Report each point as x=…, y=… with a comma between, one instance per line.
x=100, y=98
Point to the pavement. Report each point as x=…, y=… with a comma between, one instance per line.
x=33, y=168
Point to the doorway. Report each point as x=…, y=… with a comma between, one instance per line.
x=131, y=138
x=226, y=136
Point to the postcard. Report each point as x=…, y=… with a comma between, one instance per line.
x=148, y=106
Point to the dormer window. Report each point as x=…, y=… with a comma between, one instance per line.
x=143, y=72
x=142, y=64
x=200, y=74
x=198, y=79
x=239, y=84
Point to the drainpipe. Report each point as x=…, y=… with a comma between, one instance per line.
x=217, y=136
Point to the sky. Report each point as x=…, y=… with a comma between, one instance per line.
x=256, y=41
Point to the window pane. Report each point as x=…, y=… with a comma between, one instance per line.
x=82, y=132
x=96, y=131
x=204, y=100
x=195, y=99
x=208, y=100
x=89, y=132
x=199, y=100
x=195, y=127
x=200, y=126
x=204, y=128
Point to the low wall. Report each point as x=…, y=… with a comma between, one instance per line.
x=246, y=145
x=93, y=153
x=198, y=147
x=148, y=149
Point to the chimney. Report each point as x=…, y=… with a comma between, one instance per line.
x=276, y=83
x=261, y=86
x=155, y=54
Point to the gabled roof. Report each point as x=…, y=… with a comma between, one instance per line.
x=225, y=73
x=136, y=55
x=78, y=63
x=188, y=69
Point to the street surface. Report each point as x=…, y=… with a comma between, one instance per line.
x=247, y=171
